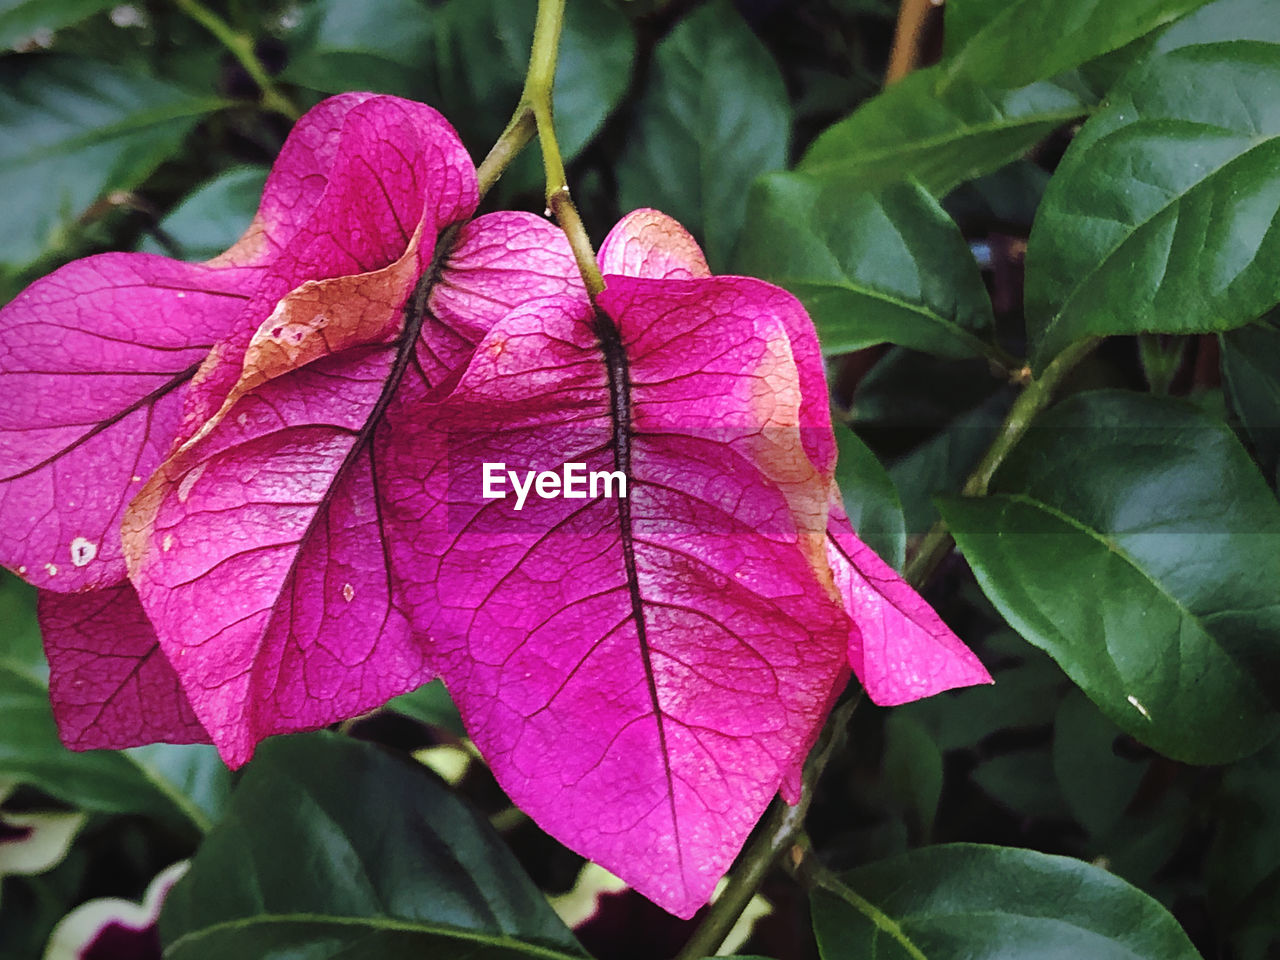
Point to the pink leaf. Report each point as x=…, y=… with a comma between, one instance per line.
x=641, y=673
x=111, y=686
x=647, y=243
x=259, y=548
x=93, y=362
x=904, y=651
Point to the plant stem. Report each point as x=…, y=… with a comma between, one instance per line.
x=777, y=834
x=1033, y=399
x=908, y=37
x=240, y=46
x=533, y=114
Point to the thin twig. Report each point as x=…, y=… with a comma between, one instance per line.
x=775, y=836
x=1033, y=399
x=240, y=45
x=908, y=39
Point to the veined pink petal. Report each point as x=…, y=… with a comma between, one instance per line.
x=647, y=243
x=297, y=182
x=499, y=261
x=396, y=170
x=259, y=548
x=899, y=648
x=904, y=651
x=110, y=684
x=687, y=628
x=94, y=360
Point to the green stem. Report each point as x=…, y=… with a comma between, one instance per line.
x=776, y=835
x=535, y=113
x=1033, y=399
x=240, y=46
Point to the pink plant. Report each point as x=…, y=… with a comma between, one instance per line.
x=284, y=451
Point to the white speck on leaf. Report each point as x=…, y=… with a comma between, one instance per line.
x=1137, y=705
x=167, y=544
x=52, y=569
x=189, y=481
x=83, y=551
x=348, y=592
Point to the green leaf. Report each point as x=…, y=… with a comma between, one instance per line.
x=99, y=780
x=432, y=705
x=1096, y=783
x=213, y=216
x=75, y=130
x=870, y=499
x=334, y=847
x=193, y=776
x=23, y=19
x=482, y=52
x=1030, y=40
x=913, y=131
x=347, y=45
x=1133, y=540
x=20, y=645
x=912, y=768
x=1223, y=20
x=965, y=19
x=888, y=267
x=1251, y=368
x=992, y=903
x=713, y=116
x=1028, y=686
x=1162, y=215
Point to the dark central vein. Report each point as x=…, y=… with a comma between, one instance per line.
x=615, y=356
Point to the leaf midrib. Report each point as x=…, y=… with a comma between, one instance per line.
x=1124, y=555
x=909, y=147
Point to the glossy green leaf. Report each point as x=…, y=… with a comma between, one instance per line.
x=193, y=776
x=432, y=705
x=870, y=499
x=1162, y=215
x=993, y=903
x=1030, y=40
x=1251, y=368
x=888, y=267
x=1027, y=688
x=1133, y=539
x=482, y=52
x=21, y=20
x=714, y=115
x=912, y=131
x=1221, y=21
x=912, y=771
x=1095, y=781
x=212, y=217
x=333, y=847
x=20, y=645
x=98, y=780
x=75, y=130
x=353, y=45
x=964, y=19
